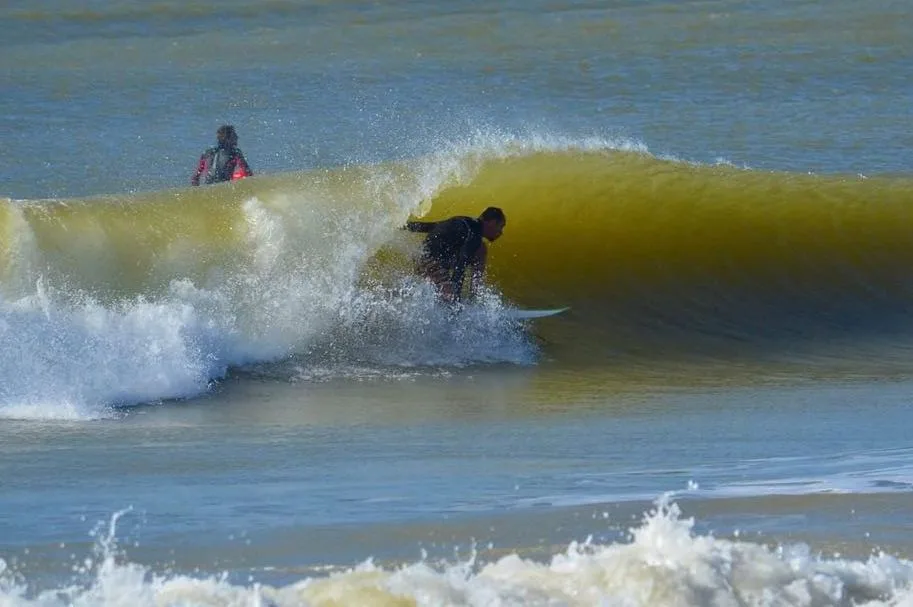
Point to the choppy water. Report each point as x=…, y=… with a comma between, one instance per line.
x=239, y=395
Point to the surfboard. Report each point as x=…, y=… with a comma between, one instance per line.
x=520, y=314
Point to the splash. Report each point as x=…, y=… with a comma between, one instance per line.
x=664, y=563
x=77, y=360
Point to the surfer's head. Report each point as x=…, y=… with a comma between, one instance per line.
x=493, y=222
x=226, y=136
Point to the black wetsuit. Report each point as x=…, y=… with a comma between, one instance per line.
x=450, y=246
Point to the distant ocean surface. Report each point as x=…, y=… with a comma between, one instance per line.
x=240, y=395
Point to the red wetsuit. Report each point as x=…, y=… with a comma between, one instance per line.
x=221, y=164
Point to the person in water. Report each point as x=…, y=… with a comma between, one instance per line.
x=454, y=244
x=224, y=161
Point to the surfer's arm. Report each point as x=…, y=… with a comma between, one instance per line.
x=472, y=255
x=242, y=169
x=420, y=226
x=201, y=167
x=477, y=270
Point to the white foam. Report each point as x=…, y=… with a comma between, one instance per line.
x=73, y=360
x=410, y=328
x=663, y=563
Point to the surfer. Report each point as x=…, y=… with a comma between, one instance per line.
x=452, y=245
x=224, y=161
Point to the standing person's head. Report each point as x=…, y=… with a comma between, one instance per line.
x=226, y=136
x=493, y=222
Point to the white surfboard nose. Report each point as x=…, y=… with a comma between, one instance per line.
x=519, y=314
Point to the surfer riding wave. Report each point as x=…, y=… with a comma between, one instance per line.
x=455, y=244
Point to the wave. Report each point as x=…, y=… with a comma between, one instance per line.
x=133, y=298
x=664, y=562
x=141, y=297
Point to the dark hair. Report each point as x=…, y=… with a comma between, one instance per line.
x=493, y=213
x=226, y=134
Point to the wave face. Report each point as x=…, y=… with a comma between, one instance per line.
x=142, y=297
x=661, y=258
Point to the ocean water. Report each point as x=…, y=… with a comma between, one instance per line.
x=241, y=394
